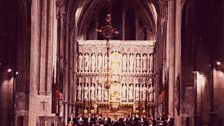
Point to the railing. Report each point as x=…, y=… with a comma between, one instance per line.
x=49, y=121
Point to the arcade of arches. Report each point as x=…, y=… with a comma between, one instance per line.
x=111, y=56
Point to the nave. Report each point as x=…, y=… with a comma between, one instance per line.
x=114, y=57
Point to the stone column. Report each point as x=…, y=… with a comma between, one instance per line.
x=62, y=66
x=179, y=8
x=43, y=47
x=123, y=23
x=171, y=41
x=66, y=90
x=61, y=39
x=50, y=46
x=41, y=67
x=71, y=85
x=34, y=61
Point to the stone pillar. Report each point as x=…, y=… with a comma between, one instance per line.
x=123, y=23
x=41, y=67
x=50, y=46
x=171, y=42
x=62, y=66
x=178, y=18
x=34, y=61
x=61, y=39
x=70, y=60
x=66, y=90
x=43, y=47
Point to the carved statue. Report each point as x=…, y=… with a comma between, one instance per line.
x=86, y=92
x=124, y=63
x=137, y=92
x=106, y=94
x=99, y=92
x=138, y=63
x=131, y=63
x=106, y=62
x=79, y=92
x=86, y=62
x=150, y=93
x=92, y=92
x=144, y=63
x=100, y=62
x=124, y=92
x=151, y=62
x=80, y=62
x=131, y=92
x=93, y=62
x=150, y=81
x=144, y=92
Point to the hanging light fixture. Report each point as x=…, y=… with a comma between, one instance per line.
x=108, y=31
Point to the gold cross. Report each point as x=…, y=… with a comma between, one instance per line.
x=108, y=31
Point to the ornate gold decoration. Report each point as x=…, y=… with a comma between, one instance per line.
x=115, y=105
x=107, y=31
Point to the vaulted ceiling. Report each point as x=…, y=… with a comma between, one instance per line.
x=80, y=12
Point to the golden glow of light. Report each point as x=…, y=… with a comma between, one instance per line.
x=218, y=63
x=201, y=80
x=9, y=70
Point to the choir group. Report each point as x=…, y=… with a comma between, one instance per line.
x=127, y=120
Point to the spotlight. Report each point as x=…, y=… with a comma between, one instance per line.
x=218, y=63
x=17, y=73
x=9, y=70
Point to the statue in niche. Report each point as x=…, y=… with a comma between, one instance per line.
x=137, y=92
x=124, y=92
x=150, y=93
x=86, y=62
x=105, y=62
x=93, y=62
x=100, y=62
x=144, y=92
x=138, y=63
x=144, y=63
x=92, y=92
x=124, y=63
x=86, y=92
x=80, y=62
x=106, y=94
x=150, y=81
x=79, y=92
x=99, y=92
x=131, y=92
x=151, y=62
x=131, y=63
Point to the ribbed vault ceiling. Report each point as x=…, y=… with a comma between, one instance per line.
x=81, y=12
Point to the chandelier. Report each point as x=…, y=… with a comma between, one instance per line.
x=107, y=31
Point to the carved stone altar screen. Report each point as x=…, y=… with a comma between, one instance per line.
x=130, y=75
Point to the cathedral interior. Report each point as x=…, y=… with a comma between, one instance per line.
x=111, y=56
